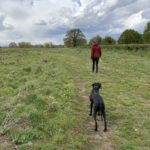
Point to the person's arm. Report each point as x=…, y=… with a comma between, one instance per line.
x=100, y=51
x=92, y=52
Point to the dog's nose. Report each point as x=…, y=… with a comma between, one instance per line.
x=96, y=87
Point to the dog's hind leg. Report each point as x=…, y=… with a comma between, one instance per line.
x=105, y=123
x=100, y=114
x=91, y=107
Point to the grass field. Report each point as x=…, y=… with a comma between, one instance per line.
x=44, y=100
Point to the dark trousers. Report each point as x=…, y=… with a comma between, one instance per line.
x=95, y=64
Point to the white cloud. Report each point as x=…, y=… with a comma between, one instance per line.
x=48, y=20
x=134, y=20
x=3, y=24
x=40, y=22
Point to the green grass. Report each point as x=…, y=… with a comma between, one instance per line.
x=42, y=104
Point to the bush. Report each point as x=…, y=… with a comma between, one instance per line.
x=108, y=40
x=127, y=46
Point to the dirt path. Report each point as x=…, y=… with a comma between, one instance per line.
x=6, y=144
x=96, y=140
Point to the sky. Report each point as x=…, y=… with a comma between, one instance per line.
x=39, y=21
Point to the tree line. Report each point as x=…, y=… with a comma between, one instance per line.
x=29, y=45
x=75, y=37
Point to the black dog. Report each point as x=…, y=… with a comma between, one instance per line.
x=98, y=103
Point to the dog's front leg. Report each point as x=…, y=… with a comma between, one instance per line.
x=95, y=113
x=91, y=105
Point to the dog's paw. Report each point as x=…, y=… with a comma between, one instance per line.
x=95, y=129
x=90, y=114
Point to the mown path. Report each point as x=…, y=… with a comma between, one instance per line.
x=96, y=140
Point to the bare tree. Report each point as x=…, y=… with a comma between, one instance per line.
x=12, y=44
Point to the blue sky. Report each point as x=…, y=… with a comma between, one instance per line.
x=39, y=21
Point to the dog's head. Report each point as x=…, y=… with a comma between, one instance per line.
x=96, y=85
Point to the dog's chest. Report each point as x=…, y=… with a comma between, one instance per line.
x=96, y=98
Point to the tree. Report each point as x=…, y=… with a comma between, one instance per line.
x=48, y=45
x=108, y=40
x=97, y=38
x=146, y=35
x=24, y=45
x=130, y=36
x=38, y=46
x=12, y=44
x=74, y=38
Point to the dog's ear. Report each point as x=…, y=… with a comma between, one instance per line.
x=100, y=85
x=93, y=84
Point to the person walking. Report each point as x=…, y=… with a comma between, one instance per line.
x=96, y=53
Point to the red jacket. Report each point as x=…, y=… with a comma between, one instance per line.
x=96, y=51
